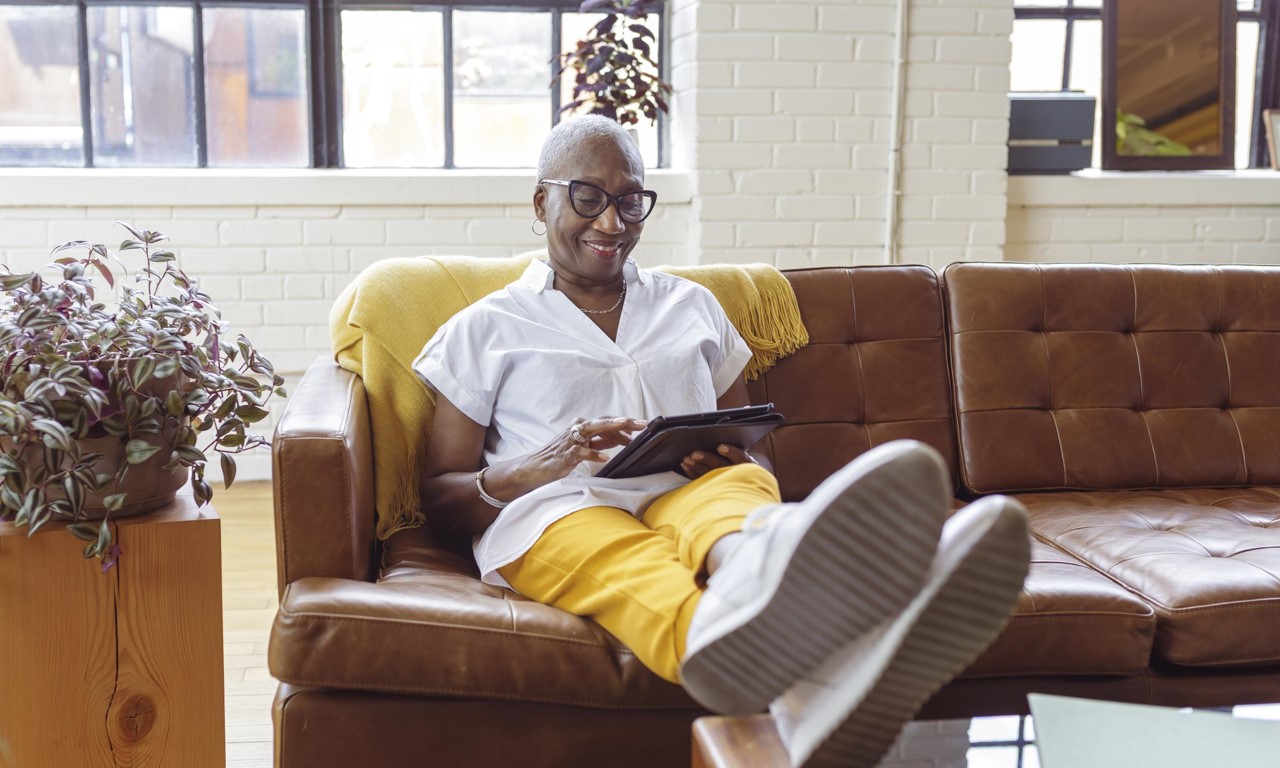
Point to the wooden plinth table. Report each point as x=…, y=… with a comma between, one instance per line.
x=751, y=741
x=115, y=669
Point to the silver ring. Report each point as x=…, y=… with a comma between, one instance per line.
x=575, y=434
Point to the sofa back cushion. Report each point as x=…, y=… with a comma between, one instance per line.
x=1093, y=376
x=875, y=370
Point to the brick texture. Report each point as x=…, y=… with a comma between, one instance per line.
x=1225, y=234
x=816, y=84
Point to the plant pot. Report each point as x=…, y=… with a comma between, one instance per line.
x=148, y=486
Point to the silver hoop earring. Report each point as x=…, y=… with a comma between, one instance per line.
x=534, y=227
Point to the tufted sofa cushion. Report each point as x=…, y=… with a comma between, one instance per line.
x=875, y=370
x=1070, y=620
x=430, y=626
x=1208, y=560
x=1109, y=377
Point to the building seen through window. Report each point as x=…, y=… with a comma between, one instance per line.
x=1057, y=46
x=285, y=84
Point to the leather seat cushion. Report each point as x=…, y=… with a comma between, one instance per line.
x=1070, y=620
x=430, y=626
x=1207, y=560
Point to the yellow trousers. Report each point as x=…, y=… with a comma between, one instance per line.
x=641, y=578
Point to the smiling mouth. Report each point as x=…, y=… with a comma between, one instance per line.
x=604, y=248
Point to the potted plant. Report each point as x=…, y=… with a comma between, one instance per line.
x=105, y=408
x=615, y=73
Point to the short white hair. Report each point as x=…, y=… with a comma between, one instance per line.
x=570, y=136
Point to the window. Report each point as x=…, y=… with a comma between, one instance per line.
x=1057, y=45
x=285, y=83
x=1002, y=742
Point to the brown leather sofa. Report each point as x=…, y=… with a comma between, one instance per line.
x=1134, y=410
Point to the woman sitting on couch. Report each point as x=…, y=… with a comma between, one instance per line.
x=842, y=613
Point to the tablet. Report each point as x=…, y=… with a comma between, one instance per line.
x=666, y=440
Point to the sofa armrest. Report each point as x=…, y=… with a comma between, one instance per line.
x=322, y=477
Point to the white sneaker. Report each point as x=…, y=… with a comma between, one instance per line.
x=849, y=711
x=809, y=577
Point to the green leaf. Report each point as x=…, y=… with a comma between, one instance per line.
x=201, y=490
x=252, y=413
x=84, y=531
x=53, y=434
x=39, y=518
x=130, y=245
x=75, y=494
x=161, y=256
x=138, y=451
x=10, y=282
x=132, y=231
x=166, y=368
x=114, y=502
x=228, y=469
x=173, y=404
x=225, y=408
x=72, y=244
x=143, y=370
x=29, y=505
x=10, y=499
x=190, y=453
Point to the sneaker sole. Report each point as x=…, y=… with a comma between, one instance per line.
x=959, y=623
x=838, y=582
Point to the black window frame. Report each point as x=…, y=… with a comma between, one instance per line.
x=323, y=44
x=1266, y=76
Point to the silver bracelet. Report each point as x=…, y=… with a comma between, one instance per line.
x=486, y=498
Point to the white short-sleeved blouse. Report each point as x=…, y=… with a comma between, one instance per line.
x=526, y=362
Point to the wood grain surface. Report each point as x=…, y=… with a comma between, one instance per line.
x=738, y=742
x=116, y=669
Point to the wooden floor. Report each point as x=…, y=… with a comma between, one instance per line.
x=248, y=607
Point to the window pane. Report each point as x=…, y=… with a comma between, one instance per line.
x=40, y=89
x=392, y=89
x=1038, y=47
x=1246, y=74
x=1088, y=3
x=574, y=27
x=140, y=64
x=501, y=104
x=1086, y=72
x=1039, y=3
x=255, y=87
x=992, y=757
x=984, y=729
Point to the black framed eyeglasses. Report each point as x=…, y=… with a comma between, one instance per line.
x=589, y=201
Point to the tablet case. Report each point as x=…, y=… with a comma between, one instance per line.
x=664, y=443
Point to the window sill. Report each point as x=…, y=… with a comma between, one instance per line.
x=41, y=187
x=1092, y=188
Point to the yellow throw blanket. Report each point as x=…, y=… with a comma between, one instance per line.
x=382, y=320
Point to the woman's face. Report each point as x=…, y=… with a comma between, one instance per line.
x=591, y=250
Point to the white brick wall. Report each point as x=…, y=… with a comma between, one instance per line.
x=801, y=94
x=1197, y=219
